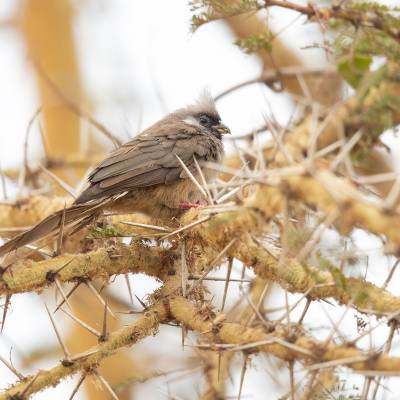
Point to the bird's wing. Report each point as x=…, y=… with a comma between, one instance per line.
x=146, y=161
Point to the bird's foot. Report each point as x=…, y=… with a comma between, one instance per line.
x=188, y=206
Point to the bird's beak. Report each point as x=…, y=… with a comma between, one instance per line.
x=222, y=129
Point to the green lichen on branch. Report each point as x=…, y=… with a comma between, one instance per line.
x=300, y=347
x=205, y=241
x=28, y=275
x=146, y=325
x=305, y=347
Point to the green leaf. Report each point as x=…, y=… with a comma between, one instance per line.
x=354, y=69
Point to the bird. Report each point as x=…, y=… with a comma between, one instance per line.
x=145, y=174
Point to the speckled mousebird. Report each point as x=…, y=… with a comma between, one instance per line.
x=145, y=175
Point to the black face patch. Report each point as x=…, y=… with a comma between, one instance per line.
x=208, y=120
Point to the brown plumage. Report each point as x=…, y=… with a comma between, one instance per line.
x=144, y=174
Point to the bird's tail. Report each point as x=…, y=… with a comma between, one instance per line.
x=75, y=217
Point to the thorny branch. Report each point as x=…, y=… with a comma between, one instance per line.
x=145, y=325
x=213, y=236
x=350, y=13
x=230, y=337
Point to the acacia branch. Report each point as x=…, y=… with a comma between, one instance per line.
x=214, y=235
x=28, y=275
x=145, y=325
x=297, y=348
x=357, y=17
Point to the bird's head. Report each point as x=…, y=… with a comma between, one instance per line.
x=204, y=115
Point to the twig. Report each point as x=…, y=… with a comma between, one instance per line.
x=11, y=368
x=59, y=181
x=24, y=172
x=74, y=107
x=270, y=77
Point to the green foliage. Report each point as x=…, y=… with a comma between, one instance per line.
x=252, y=44
x=371, y=6
x=353, y=69
x=101, y=231
x=209, y=10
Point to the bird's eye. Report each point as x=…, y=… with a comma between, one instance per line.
x=204, y=120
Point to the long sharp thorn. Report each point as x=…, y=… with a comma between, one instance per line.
x=141, y=302
x=104, y=335
x=183, y=333
x=303, y=314
x=219, y=365
x=67, y=296
x=218, y=279
x=61, y=290
x=28, y=386
x=228, y=276
x=83, y=377
x=242, y=373
x=57, y=271
x=203, y=181
x=390, y=275
x=62, y=344
x=212, y=264
x=184, y=270
x=129, y=286
x=83, y=355
x=191, y=176
x=186, y=227
x=83, y=324
x=147, y=226
x=97, y=295
x=6, y=304
x=291, y=378
x=107, y=386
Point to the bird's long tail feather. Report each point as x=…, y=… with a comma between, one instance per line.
x=68, y=217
